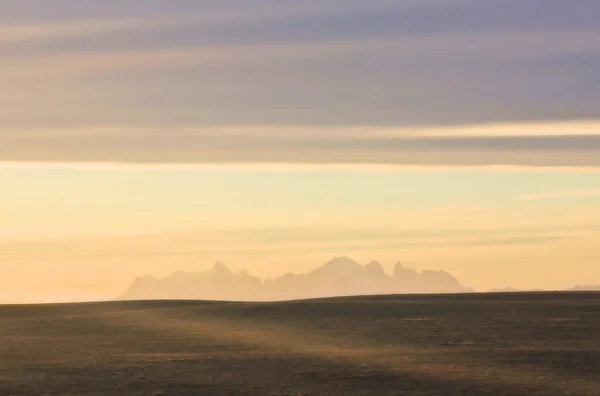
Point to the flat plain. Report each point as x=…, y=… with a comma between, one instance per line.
x=470, y=344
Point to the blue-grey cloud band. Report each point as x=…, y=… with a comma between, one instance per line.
x=199, y=148
x=159, y=68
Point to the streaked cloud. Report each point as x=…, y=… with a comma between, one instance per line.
x=567, y=194
x=523, y=145
x=86, y=27
x=436, y=83
x=282, y=240
x=577, y=128
x=20, y=33
x=287, y=167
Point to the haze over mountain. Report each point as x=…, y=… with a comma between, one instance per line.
x=341, y=276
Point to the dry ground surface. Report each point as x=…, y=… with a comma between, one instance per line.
x=485, y=344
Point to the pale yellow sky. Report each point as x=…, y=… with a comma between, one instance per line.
x=86, y=233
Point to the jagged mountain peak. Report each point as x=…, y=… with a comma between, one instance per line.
x=400, y=270
x=340, y=264
x=374, y=268
x=220, y=268
x=343, y=259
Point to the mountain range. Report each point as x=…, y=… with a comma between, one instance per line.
x=341, y=276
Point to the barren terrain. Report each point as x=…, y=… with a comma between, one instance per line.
x=472, y=344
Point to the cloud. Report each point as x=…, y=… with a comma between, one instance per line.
x=260, y=22
x=300, y=240
x=435, y=83
x=400, y=49
x=77, y=28
x=118, y=27
x=288, y=167
x=592, y=193
x=238, y=146
x=144, y=22
x=573, y=128
x=262, y=250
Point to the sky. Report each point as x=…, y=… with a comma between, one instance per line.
x=144, y=137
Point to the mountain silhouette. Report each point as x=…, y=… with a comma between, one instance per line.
x=341, y=276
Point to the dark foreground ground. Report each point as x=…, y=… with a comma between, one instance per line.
x=501, y=344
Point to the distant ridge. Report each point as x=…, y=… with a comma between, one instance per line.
x=341, y=276
x=586, y=288
x=589, y=288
